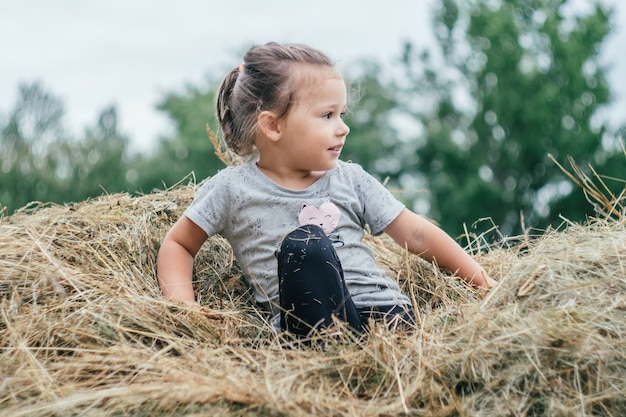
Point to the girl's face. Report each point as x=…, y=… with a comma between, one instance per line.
x=313, y=132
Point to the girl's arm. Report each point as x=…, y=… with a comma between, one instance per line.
x=423, y=238
x=175, y=260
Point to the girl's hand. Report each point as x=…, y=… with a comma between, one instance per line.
x=205, y=311
x=484, y=289
x=490, y=282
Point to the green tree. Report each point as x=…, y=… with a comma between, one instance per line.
x=373, y=139
x=93, y=165
x=41, y=163
x=188, y=150
x=520, y=79
x=31, y=127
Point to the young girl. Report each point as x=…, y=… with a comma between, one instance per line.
x=295, y=216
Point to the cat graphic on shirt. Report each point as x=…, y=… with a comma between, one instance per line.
x=326, y=216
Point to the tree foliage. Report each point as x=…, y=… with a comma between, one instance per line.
x=372, y=139
x=533, y=82
x=41, y=163
x=95, y=164
x=28, y=133
x=187, y=150
x=473, y=122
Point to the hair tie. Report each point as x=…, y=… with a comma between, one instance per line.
x=241, y=68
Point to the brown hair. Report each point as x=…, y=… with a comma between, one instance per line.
x=265, y=81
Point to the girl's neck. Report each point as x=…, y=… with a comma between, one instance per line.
x=292, y=180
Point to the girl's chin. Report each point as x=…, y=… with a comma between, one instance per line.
x=330, y=165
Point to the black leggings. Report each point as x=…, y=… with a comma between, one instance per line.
x=313, y=290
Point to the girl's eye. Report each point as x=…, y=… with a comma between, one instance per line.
x=330, y=114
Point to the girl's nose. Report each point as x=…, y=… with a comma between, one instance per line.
x=344, y=129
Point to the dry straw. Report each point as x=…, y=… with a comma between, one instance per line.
x=84, y=330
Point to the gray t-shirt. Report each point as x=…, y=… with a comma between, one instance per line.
x=254, y=214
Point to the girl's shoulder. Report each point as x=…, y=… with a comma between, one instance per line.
x=229, y=173
x=348, y=166
x=225, y=182
x=351, y=169
x=236, y=169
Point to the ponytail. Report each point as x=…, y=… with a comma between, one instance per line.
x=224, y=111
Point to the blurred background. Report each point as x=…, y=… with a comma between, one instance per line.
x=459, y=103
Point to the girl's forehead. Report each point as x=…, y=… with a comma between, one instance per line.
x=311, y=78
x=312, y=75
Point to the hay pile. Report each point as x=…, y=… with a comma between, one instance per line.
x=85, y=332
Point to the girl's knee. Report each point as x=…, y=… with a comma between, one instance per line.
x=307, y=238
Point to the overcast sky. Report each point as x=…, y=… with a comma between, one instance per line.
x=129, y=53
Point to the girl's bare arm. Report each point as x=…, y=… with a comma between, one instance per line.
x=425, y=239
x=175, y=260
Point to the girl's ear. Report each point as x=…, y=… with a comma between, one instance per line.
x=269, y=125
